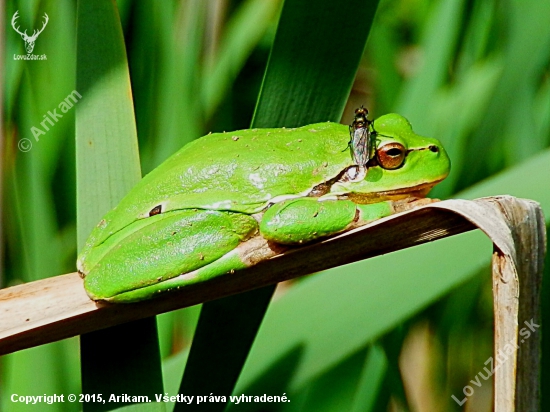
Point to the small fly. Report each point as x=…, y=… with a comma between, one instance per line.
x=361, y=138
x=361, y=142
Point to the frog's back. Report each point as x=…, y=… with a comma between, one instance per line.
x=243, y=170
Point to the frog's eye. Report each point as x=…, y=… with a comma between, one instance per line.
x=391, y=155
x=155, y=211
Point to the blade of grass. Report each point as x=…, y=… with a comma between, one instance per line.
x=273, y=382
x=542, y=110
x=151, y=42
x=179, y=114
x=308, y=79
x=371, y=380
x=477, y=36
x=223, y=336
x=393, y=344
x=311, y=71
x=382, y=48
x=334, y=390
x=39, y=370
x=442, y=30
x=123, y=359
x=243, y=32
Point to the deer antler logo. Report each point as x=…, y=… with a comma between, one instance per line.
x=29, y=40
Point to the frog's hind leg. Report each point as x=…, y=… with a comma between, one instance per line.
x=172, y=244
x=246, y=254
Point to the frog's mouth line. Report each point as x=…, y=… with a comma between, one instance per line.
x=420, y=191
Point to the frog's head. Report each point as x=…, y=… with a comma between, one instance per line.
x=406, y=164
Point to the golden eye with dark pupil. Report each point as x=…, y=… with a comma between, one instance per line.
x=391, y=155
x=155, y=211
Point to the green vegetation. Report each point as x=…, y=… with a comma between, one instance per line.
x=411, y=328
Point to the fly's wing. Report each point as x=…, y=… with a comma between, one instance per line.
x=360, y=146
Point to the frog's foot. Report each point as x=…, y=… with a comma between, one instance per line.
x=411, y=203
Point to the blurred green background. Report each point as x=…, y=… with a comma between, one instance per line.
x=399, y=332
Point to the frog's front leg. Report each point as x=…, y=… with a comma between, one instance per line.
x=303, y=220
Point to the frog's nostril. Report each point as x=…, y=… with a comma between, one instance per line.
x=434, y=148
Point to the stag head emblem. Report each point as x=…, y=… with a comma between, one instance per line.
x=29, y=40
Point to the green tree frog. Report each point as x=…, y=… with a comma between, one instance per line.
x=227, y=200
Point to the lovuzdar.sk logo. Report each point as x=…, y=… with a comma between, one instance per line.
x=29, y=40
